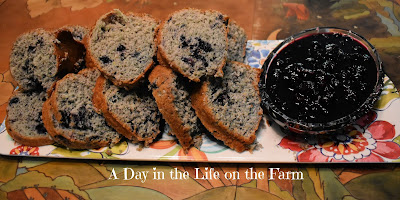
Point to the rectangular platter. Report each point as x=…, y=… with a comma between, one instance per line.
x=375, y=138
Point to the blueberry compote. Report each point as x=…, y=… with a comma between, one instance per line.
x=321, y=77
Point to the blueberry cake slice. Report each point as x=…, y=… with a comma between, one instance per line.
x=33, y=62
x=173, y=100
x=237, y=39
x=70, y=117
x=24, y=119
x=70, y=49
x=132, y=113
x=229, y=107
x=122, y=46
x=194, y=42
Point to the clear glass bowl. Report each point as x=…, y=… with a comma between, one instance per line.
x=300, y=126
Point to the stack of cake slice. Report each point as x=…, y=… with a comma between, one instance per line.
x=89, y=90
x=199, y=46
x=37, y=61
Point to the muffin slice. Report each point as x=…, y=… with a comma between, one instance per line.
x=70, y=117
x=229, y=107
x=237, y=40
x=33, y=62
x=194, y=42
x=122, y=46
x=132, y=113
x=24, y=119
x=173, y=100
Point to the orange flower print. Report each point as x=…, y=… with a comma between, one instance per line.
x=193, y=154
x=163, y=144
x=298, y=10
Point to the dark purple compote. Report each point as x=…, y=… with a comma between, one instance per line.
x=321, y=77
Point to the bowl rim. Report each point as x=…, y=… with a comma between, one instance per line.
x=315, y=127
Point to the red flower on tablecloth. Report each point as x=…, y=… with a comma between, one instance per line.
x=375, y=144
x=25, y=151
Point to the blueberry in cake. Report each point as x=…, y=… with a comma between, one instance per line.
x=122, y=46
x=133, y=113
x=194, y=43
x=33, y=62
x=70, y=117
x=229, y=107
x=24, y=119
x=172, y=94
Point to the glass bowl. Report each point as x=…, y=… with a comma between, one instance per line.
x=298, y=125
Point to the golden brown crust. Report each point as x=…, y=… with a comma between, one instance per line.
x=54, y=94
x=161, y=55
x=88, y=57
x=47, y=119
x=161, y=60
x=199, y=103
x=61, y=136
x=100, y=103
x=163, y=77
x=251, y=139
x=28, y=141
x=92, y=62
x=216, y=127
x=53, y=99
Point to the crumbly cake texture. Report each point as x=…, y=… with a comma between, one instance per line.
x=229, y=107
x=173, y=100
x=122, y=46
x=237, y=40
x=194, y=42
x=132, y=113
x=70, y=117
x=33, y=62
x=24, y=119
x=70, y=49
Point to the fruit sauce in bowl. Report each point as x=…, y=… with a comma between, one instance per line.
x=321, y=80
